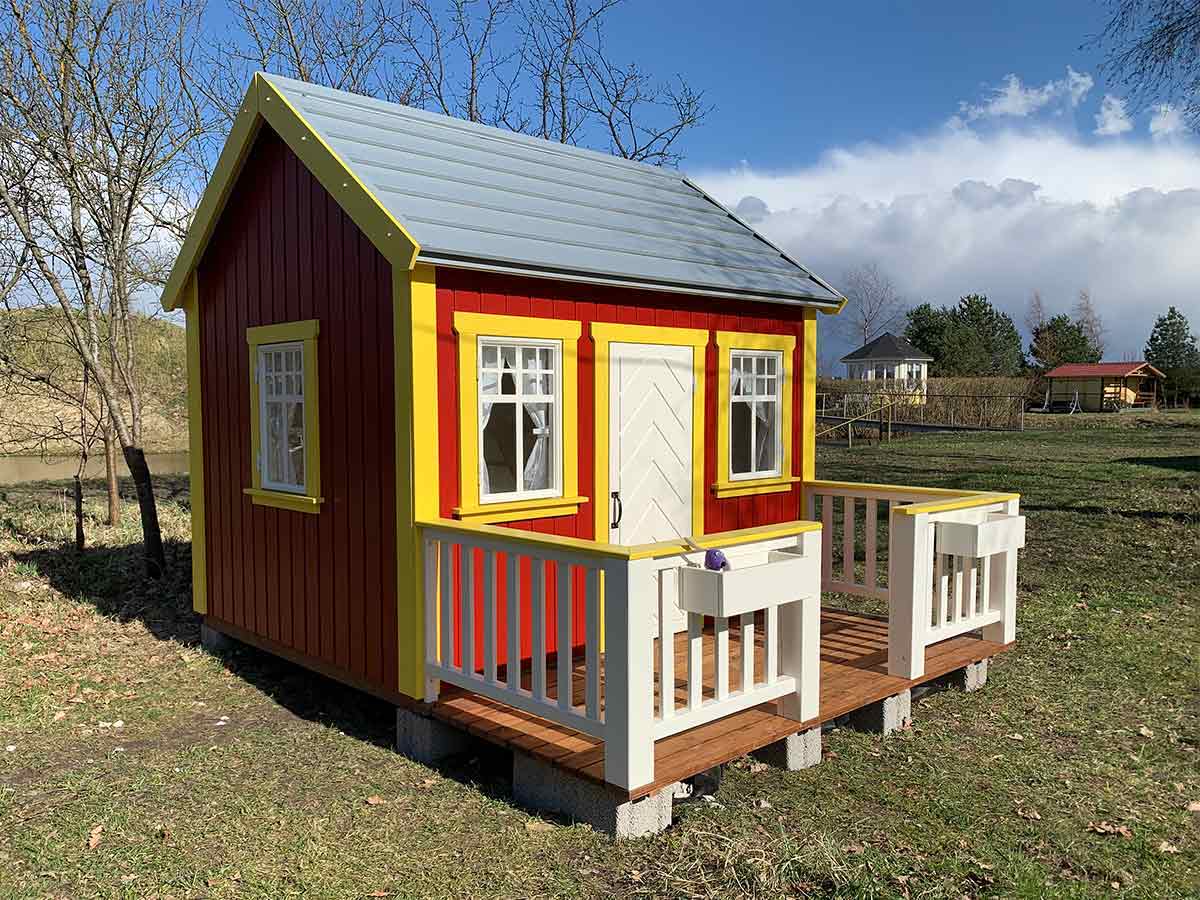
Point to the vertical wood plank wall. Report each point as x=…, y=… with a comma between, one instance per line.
x=324, y=585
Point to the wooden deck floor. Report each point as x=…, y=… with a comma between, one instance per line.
x=853, y=675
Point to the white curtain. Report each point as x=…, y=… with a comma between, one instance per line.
x=485, y=482
x=535, y=465
x=764, y=436
x=735, y=378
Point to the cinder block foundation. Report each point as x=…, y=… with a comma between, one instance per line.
x=794, y=752
x=426, y=739
x=215, y=641
x=884, y=716
x=539, y=786
x=971, y=677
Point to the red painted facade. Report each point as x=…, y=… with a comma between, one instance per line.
x=322, y=586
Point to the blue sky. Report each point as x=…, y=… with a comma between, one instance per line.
x=789, y=80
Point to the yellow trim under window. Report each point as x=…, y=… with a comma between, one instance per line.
x=310, y=501
x=470, y=327
x=606, y=333
x=785, y=344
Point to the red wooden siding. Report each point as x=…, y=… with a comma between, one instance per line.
x=321, y=585
x=508, y=295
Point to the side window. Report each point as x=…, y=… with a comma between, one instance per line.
x=520, y=419
x=285, y=463
x=754, y=414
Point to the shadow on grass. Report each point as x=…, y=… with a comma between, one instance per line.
x=1176, y=463
x=1146, y=515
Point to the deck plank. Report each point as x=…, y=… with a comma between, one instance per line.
x=853, y=675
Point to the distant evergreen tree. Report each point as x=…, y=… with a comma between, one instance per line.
x=970, y=338
x=1059, y=340
x=1172, y=344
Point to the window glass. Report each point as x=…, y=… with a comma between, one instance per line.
x=519, y=425
x=282, y=442
x=754, y=415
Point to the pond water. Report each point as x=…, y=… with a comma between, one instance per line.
x=18, y=469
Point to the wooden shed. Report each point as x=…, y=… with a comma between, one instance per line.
x=1104, y=386
x=468, y=411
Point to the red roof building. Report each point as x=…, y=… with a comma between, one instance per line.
x=1104, y=386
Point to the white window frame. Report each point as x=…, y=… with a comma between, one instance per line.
x=518, y=400
x=264, y=396
x=780, y=387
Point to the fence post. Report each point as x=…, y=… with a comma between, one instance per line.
x=628, y=673
x=1002, y=590
x=910, y=566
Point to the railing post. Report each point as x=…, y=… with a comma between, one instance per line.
x=628, y=673
x=910, y=565
x=799, y=624
x=430, y=553
x=1002, y=590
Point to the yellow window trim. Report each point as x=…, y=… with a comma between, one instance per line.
x=305, y=332
x=785, y=344
x=543, y=508
x=607, y=333
x=470, y=327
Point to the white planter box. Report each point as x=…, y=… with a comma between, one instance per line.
x=787, y=577
x=1000, y=532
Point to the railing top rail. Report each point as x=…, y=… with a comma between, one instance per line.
x=941, y=499
x=658, y=550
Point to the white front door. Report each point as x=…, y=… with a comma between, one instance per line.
x=650, y=442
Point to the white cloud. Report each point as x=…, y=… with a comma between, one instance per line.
x=1002, y=212
x=1012, y=98
x=1112, y=119
x=1166, y=122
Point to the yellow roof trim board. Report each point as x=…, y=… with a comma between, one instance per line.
x=834, y=310
x=265, y=104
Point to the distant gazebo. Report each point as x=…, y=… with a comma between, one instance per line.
x=891, y=360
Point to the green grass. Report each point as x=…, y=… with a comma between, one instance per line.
x=1091, y=719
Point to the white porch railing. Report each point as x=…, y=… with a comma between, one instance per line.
x=597, y=676
x=951, y=561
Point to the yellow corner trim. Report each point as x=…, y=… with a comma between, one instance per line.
x=604, y=334
x=281, y=500
x=785, y=345
x=521, y=509
x=833, y=311
x=196, y=446
x=808, y=402
x=305, y=330
x=724, y=489
x=470, y=327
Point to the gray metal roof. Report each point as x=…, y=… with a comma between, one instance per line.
x=479, y=197
x=890, y=347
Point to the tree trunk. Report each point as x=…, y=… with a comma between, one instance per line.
x=110, y=472
x=156, y=560
x=79, y=541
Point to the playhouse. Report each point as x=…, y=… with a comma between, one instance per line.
x=468, y=409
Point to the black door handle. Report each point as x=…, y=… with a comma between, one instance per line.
x=619, y=509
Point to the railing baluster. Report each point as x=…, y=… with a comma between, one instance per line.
x=666, y=648
x=956, y=563
x=512, y=600
x=565, y=660
x=870, y=577
x=972, y=587
x=447, y=603
x=849, y=505
x=591, y=607
x=468, y=609
x=771, y=644
x=489, y=615
x=695, y=660
x=537, y=612
x=827, y=542
x=942, y=579
x=721, y=632
x=748, y=651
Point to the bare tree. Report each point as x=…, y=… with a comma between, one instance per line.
x=1087, y=317
x=94, y=126
x=1153, y=48
x=874, y=306
x=1035, y=313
